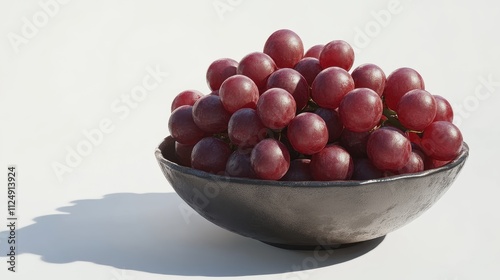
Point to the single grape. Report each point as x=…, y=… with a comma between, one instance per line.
x=332, y=163
x=284, y=47
x=399, y=82
x=415, y=164
x=360, y=109
x=307, y=133
x=314, y=51
x=354, y=142
x=209, y=114
x=365, y=170
x=183, y=153
x=293, y=82
x=442, y=140
x=245, y=128
x=276, y=108
x=415, y=148
x=330, y=86
x=416, y=109
x=257, y=66
x=309, y=68
x=333, y=123
x=182, y=126
x=270, y=159
x=388, y=149
x=369, y=76
x=337, y=53
x=238, y=92
x=210, y=154
x=219, y=71
x=431, y=163
x=444, y=111
x=238, y=164
x=299, y=171
x=187, y=97
x=414, y=138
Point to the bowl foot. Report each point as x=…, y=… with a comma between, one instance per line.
x=323, y=247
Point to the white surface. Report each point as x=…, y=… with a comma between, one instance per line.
x=114, y=216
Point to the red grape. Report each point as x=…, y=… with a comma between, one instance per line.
x=282, y=104
x=355, y=142
x=276, y=108
x=309, y=68
x=416, y=149
x=270, y=159
x=238, y=164
x=285, y=48
x=330, y=86
x=331, y=163
x=416, y=109
x=333, y=123
x=337, y=53
x=360, y=110
x=388, y=149
x=314, y=51
x=183, y=153
x=299, y=170
x=369, y=76
x=210, y=154
x=442, y=140
x=257, y=66
x=245, y=128
x=414, y=138
x=365, y=170
x=182, y=126
x=238, y=92
x=431, y=163
x=307, y=133
x=219, y=71
x=209, y=114
x=415, y=164
x=187, y=97
x=444, y=111
x=293, y=82
x=399, y=82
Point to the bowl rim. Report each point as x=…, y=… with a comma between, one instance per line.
x=464, y=153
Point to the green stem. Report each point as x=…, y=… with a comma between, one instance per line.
x=392, y=119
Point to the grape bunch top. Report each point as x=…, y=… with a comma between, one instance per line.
x=285, y=113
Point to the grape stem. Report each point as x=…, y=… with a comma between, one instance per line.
x=275, y=134
x=311, y=106
x=392, y=119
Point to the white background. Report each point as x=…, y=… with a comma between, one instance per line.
x=111, y=215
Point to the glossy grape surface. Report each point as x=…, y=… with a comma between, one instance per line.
x=285, y=48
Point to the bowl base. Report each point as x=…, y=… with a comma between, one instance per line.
x=323, y=247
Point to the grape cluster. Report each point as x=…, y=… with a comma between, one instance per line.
x=286, y=114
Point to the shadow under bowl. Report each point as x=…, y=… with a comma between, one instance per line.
x=305, y=215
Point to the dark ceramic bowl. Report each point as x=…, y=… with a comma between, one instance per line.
x=304, y=215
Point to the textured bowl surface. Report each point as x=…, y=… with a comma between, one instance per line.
x=308, y=214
